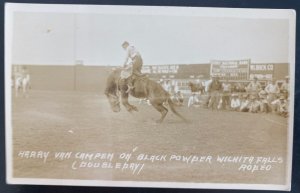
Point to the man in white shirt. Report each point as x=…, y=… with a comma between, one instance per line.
x=167, y=86
x=133, y=58
x=226, y=86
x=244, y=103
x=235, y=102
x=253, y=87
x=132, y=65
x=273, y=90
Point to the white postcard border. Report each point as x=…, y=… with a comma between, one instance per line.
x=10, y=8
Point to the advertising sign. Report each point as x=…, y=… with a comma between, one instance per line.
x=230, y=69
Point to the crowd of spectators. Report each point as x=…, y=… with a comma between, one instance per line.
x=251, y=97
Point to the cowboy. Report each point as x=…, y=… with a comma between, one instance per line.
x=254, y=87
x=132, y=65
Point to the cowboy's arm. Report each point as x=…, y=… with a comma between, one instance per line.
x=127, y=57
x=125, y=63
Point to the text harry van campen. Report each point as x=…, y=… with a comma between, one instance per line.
x=44, y=155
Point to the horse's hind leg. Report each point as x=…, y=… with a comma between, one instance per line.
x=126, y=104
x=163, y=110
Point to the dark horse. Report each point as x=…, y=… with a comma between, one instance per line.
x=196, y=87
x=143, y=88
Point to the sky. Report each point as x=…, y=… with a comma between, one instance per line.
x=95, y=39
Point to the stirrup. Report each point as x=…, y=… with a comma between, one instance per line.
x=129, y=88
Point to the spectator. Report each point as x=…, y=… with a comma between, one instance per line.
x=178, y=98
x=285, y=87
x=193, y=100
x=214, y=89
x=167, y=86
x=226, y=94
x=264, y=103
x=237, y=87
x=253, y=104
x=235, y=102
x=273, y=90
x=244, y=103
x=253, y=87
x=176, y=89
x=281, y=106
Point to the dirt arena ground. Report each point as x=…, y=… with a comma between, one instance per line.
x=61, y=121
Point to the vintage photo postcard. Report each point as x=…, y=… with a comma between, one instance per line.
x=137, y=96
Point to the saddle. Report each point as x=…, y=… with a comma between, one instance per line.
x=139, y=84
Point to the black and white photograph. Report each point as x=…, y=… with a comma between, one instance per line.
x=140, y=96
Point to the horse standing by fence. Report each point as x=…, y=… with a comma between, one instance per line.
x=22, y=84
x=195, y=90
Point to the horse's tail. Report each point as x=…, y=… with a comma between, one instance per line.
x=171, y=104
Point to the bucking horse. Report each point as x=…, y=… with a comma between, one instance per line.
x=143, y=88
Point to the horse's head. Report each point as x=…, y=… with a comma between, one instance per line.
x=114, y=102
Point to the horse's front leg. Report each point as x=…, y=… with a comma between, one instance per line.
x=129, y=107
x=124, y=98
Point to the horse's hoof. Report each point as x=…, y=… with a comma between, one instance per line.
x=131, y=109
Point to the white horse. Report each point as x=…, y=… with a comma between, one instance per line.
x=22, y=83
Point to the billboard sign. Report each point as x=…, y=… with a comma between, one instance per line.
x=261, y=71
x=230, y=69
